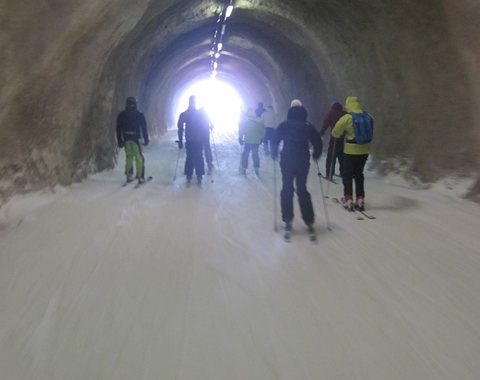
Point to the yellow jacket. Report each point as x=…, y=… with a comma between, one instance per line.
x=345, y=126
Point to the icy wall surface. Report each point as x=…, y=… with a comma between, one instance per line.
x=68, y=66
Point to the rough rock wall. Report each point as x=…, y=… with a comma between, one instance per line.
x=67, y=68
x=400, y=59
x=52, y=52
x=464, y=28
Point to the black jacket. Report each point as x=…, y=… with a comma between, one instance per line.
x=131, y=126
x=196, y=125
x=297, y=135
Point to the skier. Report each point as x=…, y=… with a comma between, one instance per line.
x=296, y=134
x=131, y=127
x=260, y=109
x=335, y=146
x=206, y=144
x=356, y=151
x=195, y=124
x=250, y=134
x=269, y=120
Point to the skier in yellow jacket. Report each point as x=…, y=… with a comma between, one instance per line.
x=358, y=128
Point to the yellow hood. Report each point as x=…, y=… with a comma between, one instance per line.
x=352, y=105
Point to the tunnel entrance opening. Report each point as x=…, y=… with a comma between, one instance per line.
x=220, y=100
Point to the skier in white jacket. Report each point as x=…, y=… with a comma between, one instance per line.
x=270, y=123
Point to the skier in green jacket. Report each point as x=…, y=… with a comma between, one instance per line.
x=250, y=135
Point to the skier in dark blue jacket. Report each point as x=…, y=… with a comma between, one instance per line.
x=297, y=135
x=131, y=127
x=194, y=122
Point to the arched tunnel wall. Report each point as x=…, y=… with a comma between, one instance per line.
x=68, y=66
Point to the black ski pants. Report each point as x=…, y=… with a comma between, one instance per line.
x=335, y=152
x=267, y=140
x=353, y=165
x=295, y=172
x=194, y=159
x=255, y=157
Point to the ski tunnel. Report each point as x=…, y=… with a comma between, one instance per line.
x=168, y=282
x=67, y=69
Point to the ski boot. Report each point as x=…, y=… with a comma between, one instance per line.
x=199, y=180
x=140, y=182
x=288, y=226
x=288, y=231
x=189, y=181
x=360, y=204
x=129, y=178
x=347, y=203
x=209, y=169
x=311, y=233
x=257, y=171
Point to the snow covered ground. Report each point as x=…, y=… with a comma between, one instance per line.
x=99, y=281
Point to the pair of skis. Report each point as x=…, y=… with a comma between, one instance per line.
x=287, y=235
x=356, y=212
x=138, y=184
x=199, y=184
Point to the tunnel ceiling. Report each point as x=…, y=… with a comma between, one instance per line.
x=67, y=68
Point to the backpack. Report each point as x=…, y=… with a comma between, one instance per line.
x=362, y=127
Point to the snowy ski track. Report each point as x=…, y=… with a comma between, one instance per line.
x=99, y=281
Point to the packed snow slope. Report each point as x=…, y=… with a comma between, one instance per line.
x=99, y=281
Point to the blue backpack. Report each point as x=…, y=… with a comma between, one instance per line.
x=362, y=127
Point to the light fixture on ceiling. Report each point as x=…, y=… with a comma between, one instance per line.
x=229, y=11
x=217, y=41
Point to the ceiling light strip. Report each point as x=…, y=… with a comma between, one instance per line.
x=217, y=41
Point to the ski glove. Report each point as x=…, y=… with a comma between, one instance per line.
x=121, y=145
x=180, y=145
x=240, y=141
x=315, y=157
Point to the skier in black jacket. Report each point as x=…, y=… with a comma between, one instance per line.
x=131, y=127
x=296, y=134
x=194, y=122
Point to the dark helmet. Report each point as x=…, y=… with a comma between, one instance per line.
x=336, y=106
x=131, y=102
x=297, y=113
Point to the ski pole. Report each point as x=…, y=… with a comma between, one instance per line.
x=178, y=159
x=333, y=158
x=211, y=175
x=275, y=195
x=327, y=219
x=214, y=147
x=242, y=147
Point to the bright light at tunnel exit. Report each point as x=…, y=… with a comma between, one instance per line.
x=221, y=101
